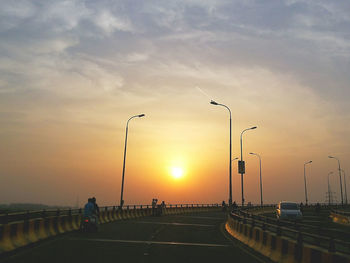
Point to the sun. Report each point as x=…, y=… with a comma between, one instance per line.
x=177, y=172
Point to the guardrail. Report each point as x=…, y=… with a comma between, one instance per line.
x=286, y=241
x=23, y=216
x=340, y=212
x=295, y=231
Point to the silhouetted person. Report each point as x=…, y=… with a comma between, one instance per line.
x=223, y=206
x=89, y=208
x=96, y=208
x=318, y=208
x=154, y=206
x=234, y=205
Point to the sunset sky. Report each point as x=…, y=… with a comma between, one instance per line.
x=73, y=72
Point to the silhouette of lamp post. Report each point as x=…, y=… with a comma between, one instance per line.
x=346, y=193
x=126, y=140
x=329, y=189
x=341, y=185
x=306, y=200
x=261, y=195
x=230, y=158
x=242, y=172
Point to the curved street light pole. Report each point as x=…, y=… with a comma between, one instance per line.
x=252, y=128
x=346, y=194
x=329, y=189
x=306, y=200
x=341, y=185
x=230, y=157
x=261, y=195
x=126, y=140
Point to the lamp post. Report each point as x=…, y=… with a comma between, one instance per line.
x=261, y=195
x=341, y=185
x=230, y=157
x=242, y=172
x=305, y=182
x=346, y=194
x=329, y=189
x=126, y=140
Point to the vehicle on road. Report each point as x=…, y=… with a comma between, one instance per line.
x=89, y=224
x=288, y=210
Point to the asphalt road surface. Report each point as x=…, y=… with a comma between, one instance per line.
x=196, y=237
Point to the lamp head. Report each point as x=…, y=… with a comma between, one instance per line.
x=252, y=128
x=252, y=153
x=214, y=102
x=330, y=156
x=141, y=115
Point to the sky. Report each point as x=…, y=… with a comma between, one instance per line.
x=73, y=72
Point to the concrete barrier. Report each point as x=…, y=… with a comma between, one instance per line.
x=51, y=224
x=76, y=221
x=41, y=229
x=17, y=234
x=278, y=248
x=5, y=241
x=32, y=233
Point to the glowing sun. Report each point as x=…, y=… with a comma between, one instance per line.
x=177, y=172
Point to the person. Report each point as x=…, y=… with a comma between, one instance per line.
x=223, y=204
x=154, y=206
x=96, y=208
x=89, y=208
x=234, y=206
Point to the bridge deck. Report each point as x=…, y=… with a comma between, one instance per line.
x=196, y=237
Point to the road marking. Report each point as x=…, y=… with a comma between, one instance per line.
x=172, y=223
x=152, y=242
x=203, y=217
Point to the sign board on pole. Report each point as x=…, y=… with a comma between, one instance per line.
x=241, y=167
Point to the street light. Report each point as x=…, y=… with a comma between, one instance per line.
x=126, y=140
x=230, y=158
x=346, y=194
x=242, y=172
x=305, y=181
x=341, y=185
x=261, y=195
x=329, y=189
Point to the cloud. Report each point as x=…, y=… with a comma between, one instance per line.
x=109, y=23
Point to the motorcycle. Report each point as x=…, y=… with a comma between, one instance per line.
x=89, y=224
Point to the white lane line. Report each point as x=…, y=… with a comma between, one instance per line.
x=202, y=217
x=172, y=223
x=152, y=242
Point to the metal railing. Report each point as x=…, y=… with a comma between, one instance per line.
x=340, y=212
x=295, y=230
x=6, y=218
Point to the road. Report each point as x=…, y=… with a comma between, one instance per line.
x=196, y=237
